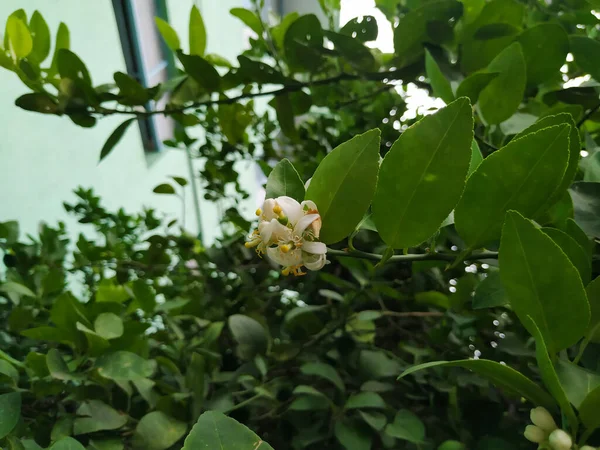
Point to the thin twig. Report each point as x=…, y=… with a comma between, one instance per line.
x=410, y=257
x=587, y=115
x=373, y=94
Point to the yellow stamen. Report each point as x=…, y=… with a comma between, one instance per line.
x=286, y=271
x=258, y=212
x=277, y=209
x=285, y=248
x=252, y=243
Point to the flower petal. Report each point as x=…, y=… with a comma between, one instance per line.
x=310, y=205
x=304, y=222
x=292, y=258
x=267, y=210
x=291, y=208
x=317, y=265
x=316, y=248
x=273, y=231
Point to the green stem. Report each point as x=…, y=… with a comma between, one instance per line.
x=410, y=257
x=244, y=403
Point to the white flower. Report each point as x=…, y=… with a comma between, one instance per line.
x=288, y=233
x=560, y=440
x=543, y=419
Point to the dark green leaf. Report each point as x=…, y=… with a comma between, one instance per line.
x=201, y=71
x=476, y=157
x=302, y=43
x=375, y=420
x=168, y=34
x=131, y=90
x=365, y=400
x=63, y=40
x=586, y=201
x=362, y=28
x=114, y=138
x=124, y=365
x=145, y=295
x=67, y=443
x=588, y=411
x=158, y=431
x=545, y=47
x=593, y=295
x=473, y=85
x=70, y=66
x=352, y=435
x=376, y=364
x=490, y=292
x=41, y=38
x=585, y=52
x=284, y=180
x=324, y=371
x=10, y=412
x=8, y=369
x=352, y=50
x=440, y=85
x=576, y=254
x=495, y=30
x=250, y=335
x=250, y=19
x=97, y=416
x=406, y=426
x=285, y=115
x=164, y=189
x=197, y=32
x=576, y=381
x=50, y=334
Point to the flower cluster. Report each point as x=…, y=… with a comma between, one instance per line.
x=545, y=432
x=288, y=232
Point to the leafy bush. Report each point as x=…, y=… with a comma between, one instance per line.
x=478, y=230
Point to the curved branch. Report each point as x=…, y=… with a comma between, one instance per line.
x=410, y=258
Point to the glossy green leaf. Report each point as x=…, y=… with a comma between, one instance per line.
x=197, y=32
x=324, y=371
x=250, y=19
x=67, y=443
x=217, y=431
x=542, y=283
x=10, y=412
x=593, y=295
x=201, y=71
x=19, y=37
x=511, y=178
x=406, y=426
x=303, y=42
x=114, y=138
x=344, y=183
x=440, y=85
x=95, y=415
x=41, y=38
x=423, y=175
x=122, y=365
x=158, y=431
x=545, y=47
x=250, y=335
x=499, y=374
x=109, y=325
x=585, y=52
x=576, y=254
x=576, y=381
x=168, y=34
x=472, y=86
x=588, y=411
x=63, y=40
x=490, y=292
x=284, y=180
x=351, y=435
x=365, y=400
x=501, y=98
x=476, y=157
x=586, y=202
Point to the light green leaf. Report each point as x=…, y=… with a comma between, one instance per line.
x=501, y=98
x=168, y=34
x=96, y=343
x=585, y=52
x=110, y=292
x=11, y=287
x=406, y=426
x=324, y=371
x=588, y=411
x=284, y=180
x=250, y=335
x=249, y=18
x=9, y=370
x=278, y=31
x=423, y=175
x=576, y=254
x=352, y=435
x=97, y=416
x=593, y=294
x=490, y=292
x=545, y=47
x=197, y=32
x=364, y=400
x=439, y=83
x=122, y=365
x=158, y=431
x=576, y=381
x=41, y=38
x=217, y=431
x=511, y=178
x=501, y=375
x=114, y=138
x=10, y=412
x=344, y=183
x=542, y=283
x=67, y=443
x=19, y=37
x=109, y=325
x=472, y=86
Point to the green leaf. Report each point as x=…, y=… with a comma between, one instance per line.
x=303, y=43
x=452, y=445
x=63, y=40
x=490, y=292
x=548, y=372
x=164, y=188
x=195, y=376
x=168, y=34
x=375, y=420
x=310, y=403
x=106, y=444
x=37, y=102
x=50, y=334
x=343, y=185
x=576, y=254
x=180, y=181
x=197, y=32
x=9, y=231
x=324, y=371
x=577, y=233
x=124, y=365
x=145, y=295
x=588, y=411
x=131, y=91
x=284, y=180
x=423, y=175
x=57, y=367
x=250, y=335
x=8, y=369
x=352, y=435
x=115, y=137
x=406, y=426
x=495, y=30
x=511, y=178
x=542, y=283
x=108, y=325
x=499, y=374
x=67, y=443
x=110, y=292
x=472, y=86
x=278, y=31
x=585, y=52
x=250, y=19
x=96, y=344
x=70, y=66
x=352, y=50
x=97, y=416
x=364, y=29
x=285, y=115
x=62, y=428
x=593, y=294
x=586, y=201
x=11, y=287
x=41, y=38
x=439, y=83
x=576, y=381
x=365, y=400
x=158, y=431
x=545, y=47
x=10, y=412
x=476, y=157
x=217, y=431
x=501, y=98
x=377, y=364
x=19, y=37
x=201, y=71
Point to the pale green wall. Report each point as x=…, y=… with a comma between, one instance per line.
x=43, y=158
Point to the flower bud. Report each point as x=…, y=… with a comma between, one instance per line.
x=560, y=440
x=534, y=434
x=543, y=419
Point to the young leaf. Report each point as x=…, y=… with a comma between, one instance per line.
x=197, y=32
x=423, y=175
x=475, y=83
x=114, y=138
x=439, y=83
x=168, y=34
x=19, y=37
x=501, y=375
x=41, y=38
x=501, y=98
x=249, y=18
x=158, y=431
x=10, y=412
x=344, y=183
x=542, y=283
x=545, y=47
x=574, y=252
x=214, y=430
x=284, y=180
x=511, y=178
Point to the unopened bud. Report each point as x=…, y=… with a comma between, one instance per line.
x=543, y=419
x=534, y=434
x=560, y=440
